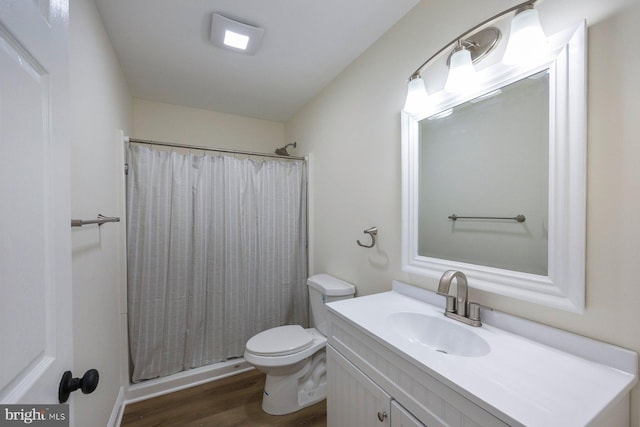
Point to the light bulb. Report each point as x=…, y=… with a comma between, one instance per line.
x=462, y=74
x=417, y=97
x=527, y=41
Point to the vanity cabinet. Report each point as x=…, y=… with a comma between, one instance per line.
x=394, y=355
x=355, y=400
x=369, y=385
x=400, y=417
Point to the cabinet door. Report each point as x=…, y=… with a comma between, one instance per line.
x=400, y=417
x=353, y=400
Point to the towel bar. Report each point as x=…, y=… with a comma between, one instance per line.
x=519, y=218
x=100, y=220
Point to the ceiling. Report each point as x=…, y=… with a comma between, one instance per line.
x=164, y=50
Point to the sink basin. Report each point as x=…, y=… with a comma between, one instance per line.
x=438, y=334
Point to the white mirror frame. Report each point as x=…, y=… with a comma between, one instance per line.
x=564, y=286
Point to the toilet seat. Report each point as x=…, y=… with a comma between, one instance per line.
x=318, y=341
x=280, y=341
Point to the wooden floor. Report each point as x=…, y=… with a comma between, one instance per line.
x=232, y=401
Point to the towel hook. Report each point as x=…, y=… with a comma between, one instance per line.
x=371, y=232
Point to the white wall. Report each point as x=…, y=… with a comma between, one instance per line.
x=353, y=130
x=100, y=106
x=193, y=126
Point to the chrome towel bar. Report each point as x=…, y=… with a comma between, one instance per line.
x=100, y=220
x=519, y=218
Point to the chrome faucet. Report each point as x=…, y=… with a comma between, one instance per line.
x=458, y=307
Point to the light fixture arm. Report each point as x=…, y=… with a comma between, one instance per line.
x=464, y=44
x=524, y=5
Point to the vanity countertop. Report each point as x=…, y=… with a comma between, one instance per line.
x=524, y=376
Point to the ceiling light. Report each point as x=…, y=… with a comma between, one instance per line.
x=232, y=39
x=236, y=36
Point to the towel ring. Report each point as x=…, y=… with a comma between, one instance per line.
x=373, y=231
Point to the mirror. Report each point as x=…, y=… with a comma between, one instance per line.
x=494, y=183
x=470, y=175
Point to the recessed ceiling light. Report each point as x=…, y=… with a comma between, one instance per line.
x=232, y=39
x=233, y=35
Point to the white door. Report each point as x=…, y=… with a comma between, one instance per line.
x=35, y=250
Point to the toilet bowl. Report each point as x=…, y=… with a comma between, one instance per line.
x=293, y=357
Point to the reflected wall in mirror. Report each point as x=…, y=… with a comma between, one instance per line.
x=520, y=152
x=470, y=170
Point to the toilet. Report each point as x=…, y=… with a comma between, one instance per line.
x=293, y=357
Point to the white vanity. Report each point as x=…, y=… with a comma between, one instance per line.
x=394, y=359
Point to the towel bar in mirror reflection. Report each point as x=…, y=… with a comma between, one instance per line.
x=100, y=220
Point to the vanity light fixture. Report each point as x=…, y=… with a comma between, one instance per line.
x=234, y=35
x=472, y=46
x=417, y=97
x=462, y=75
x=527, y=40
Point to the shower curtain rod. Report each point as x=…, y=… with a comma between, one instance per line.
x=220, y=150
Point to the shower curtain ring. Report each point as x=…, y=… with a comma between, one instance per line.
x=373, y=231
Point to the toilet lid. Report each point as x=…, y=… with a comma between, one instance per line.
x=280, y=341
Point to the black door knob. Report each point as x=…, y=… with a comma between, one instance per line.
x=68, y=384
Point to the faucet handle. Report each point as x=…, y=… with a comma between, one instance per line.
x=451, y=303
x=474, y=310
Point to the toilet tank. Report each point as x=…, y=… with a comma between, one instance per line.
x=325, y=288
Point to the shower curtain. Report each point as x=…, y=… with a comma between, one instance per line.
x=216, y=253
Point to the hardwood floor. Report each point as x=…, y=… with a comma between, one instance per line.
x=232, y=401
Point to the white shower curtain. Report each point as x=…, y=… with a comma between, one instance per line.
x=216, y=253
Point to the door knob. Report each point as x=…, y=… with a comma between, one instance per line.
x=382, y=416
x=68, y=384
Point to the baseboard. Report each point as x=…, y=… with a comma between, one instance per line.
x=118, y=410
x=193, y=377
